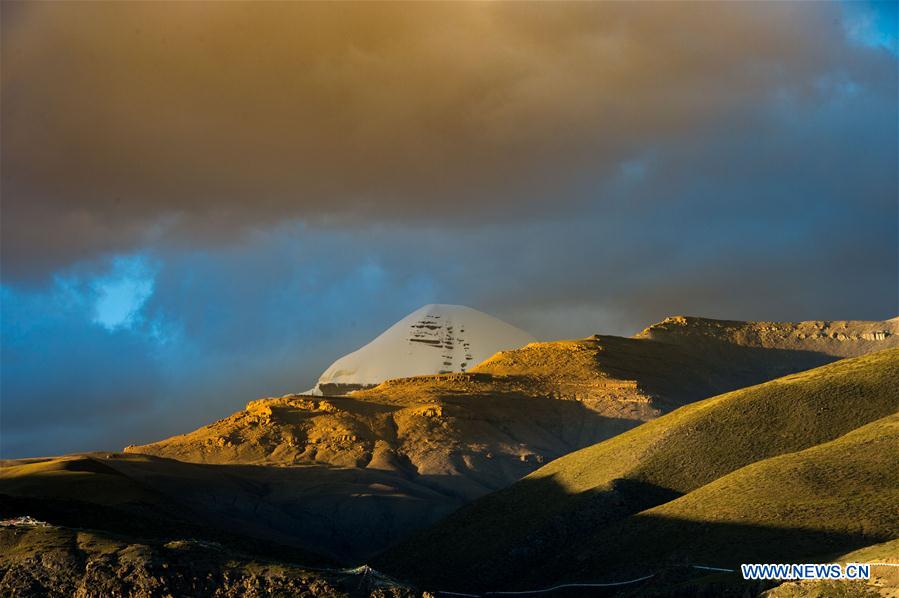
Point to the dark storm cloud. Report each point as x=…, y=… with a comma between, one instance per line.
x=135, y=123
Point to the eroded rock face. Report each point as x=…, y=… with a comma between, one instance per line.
x=838, y=338
x=442, y=435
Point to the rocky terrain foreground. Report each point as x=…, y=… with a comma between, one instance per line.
x=333, y=481
x=45, y=560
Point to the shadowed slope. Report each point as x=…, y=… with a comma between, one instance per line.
x=303, y=512
x=502, y=536
x=813, y=504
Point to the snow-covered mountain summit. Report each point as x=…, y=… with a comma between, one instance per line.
x=433, y=339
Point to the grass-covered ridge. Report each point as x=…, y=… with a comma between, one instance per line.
x=700, y=442
x=503, y=535
x=848, y=484
x=807, y=506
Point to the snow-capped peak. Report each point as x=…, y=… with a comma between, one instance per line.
x=433, y=339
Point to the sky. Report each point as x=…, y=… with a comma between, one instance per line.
x=204, y=203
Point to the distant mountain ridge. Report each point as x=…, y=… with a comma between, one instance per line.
x=841, y=338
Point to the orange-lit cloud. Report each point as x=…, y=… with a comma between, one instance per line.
x=124, y=122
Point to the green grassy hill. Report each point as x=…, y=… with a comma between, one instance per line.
x=812, y=504
x=548, y=525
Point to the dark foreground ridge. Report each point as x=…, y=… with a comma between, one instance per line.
x=43, y=560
